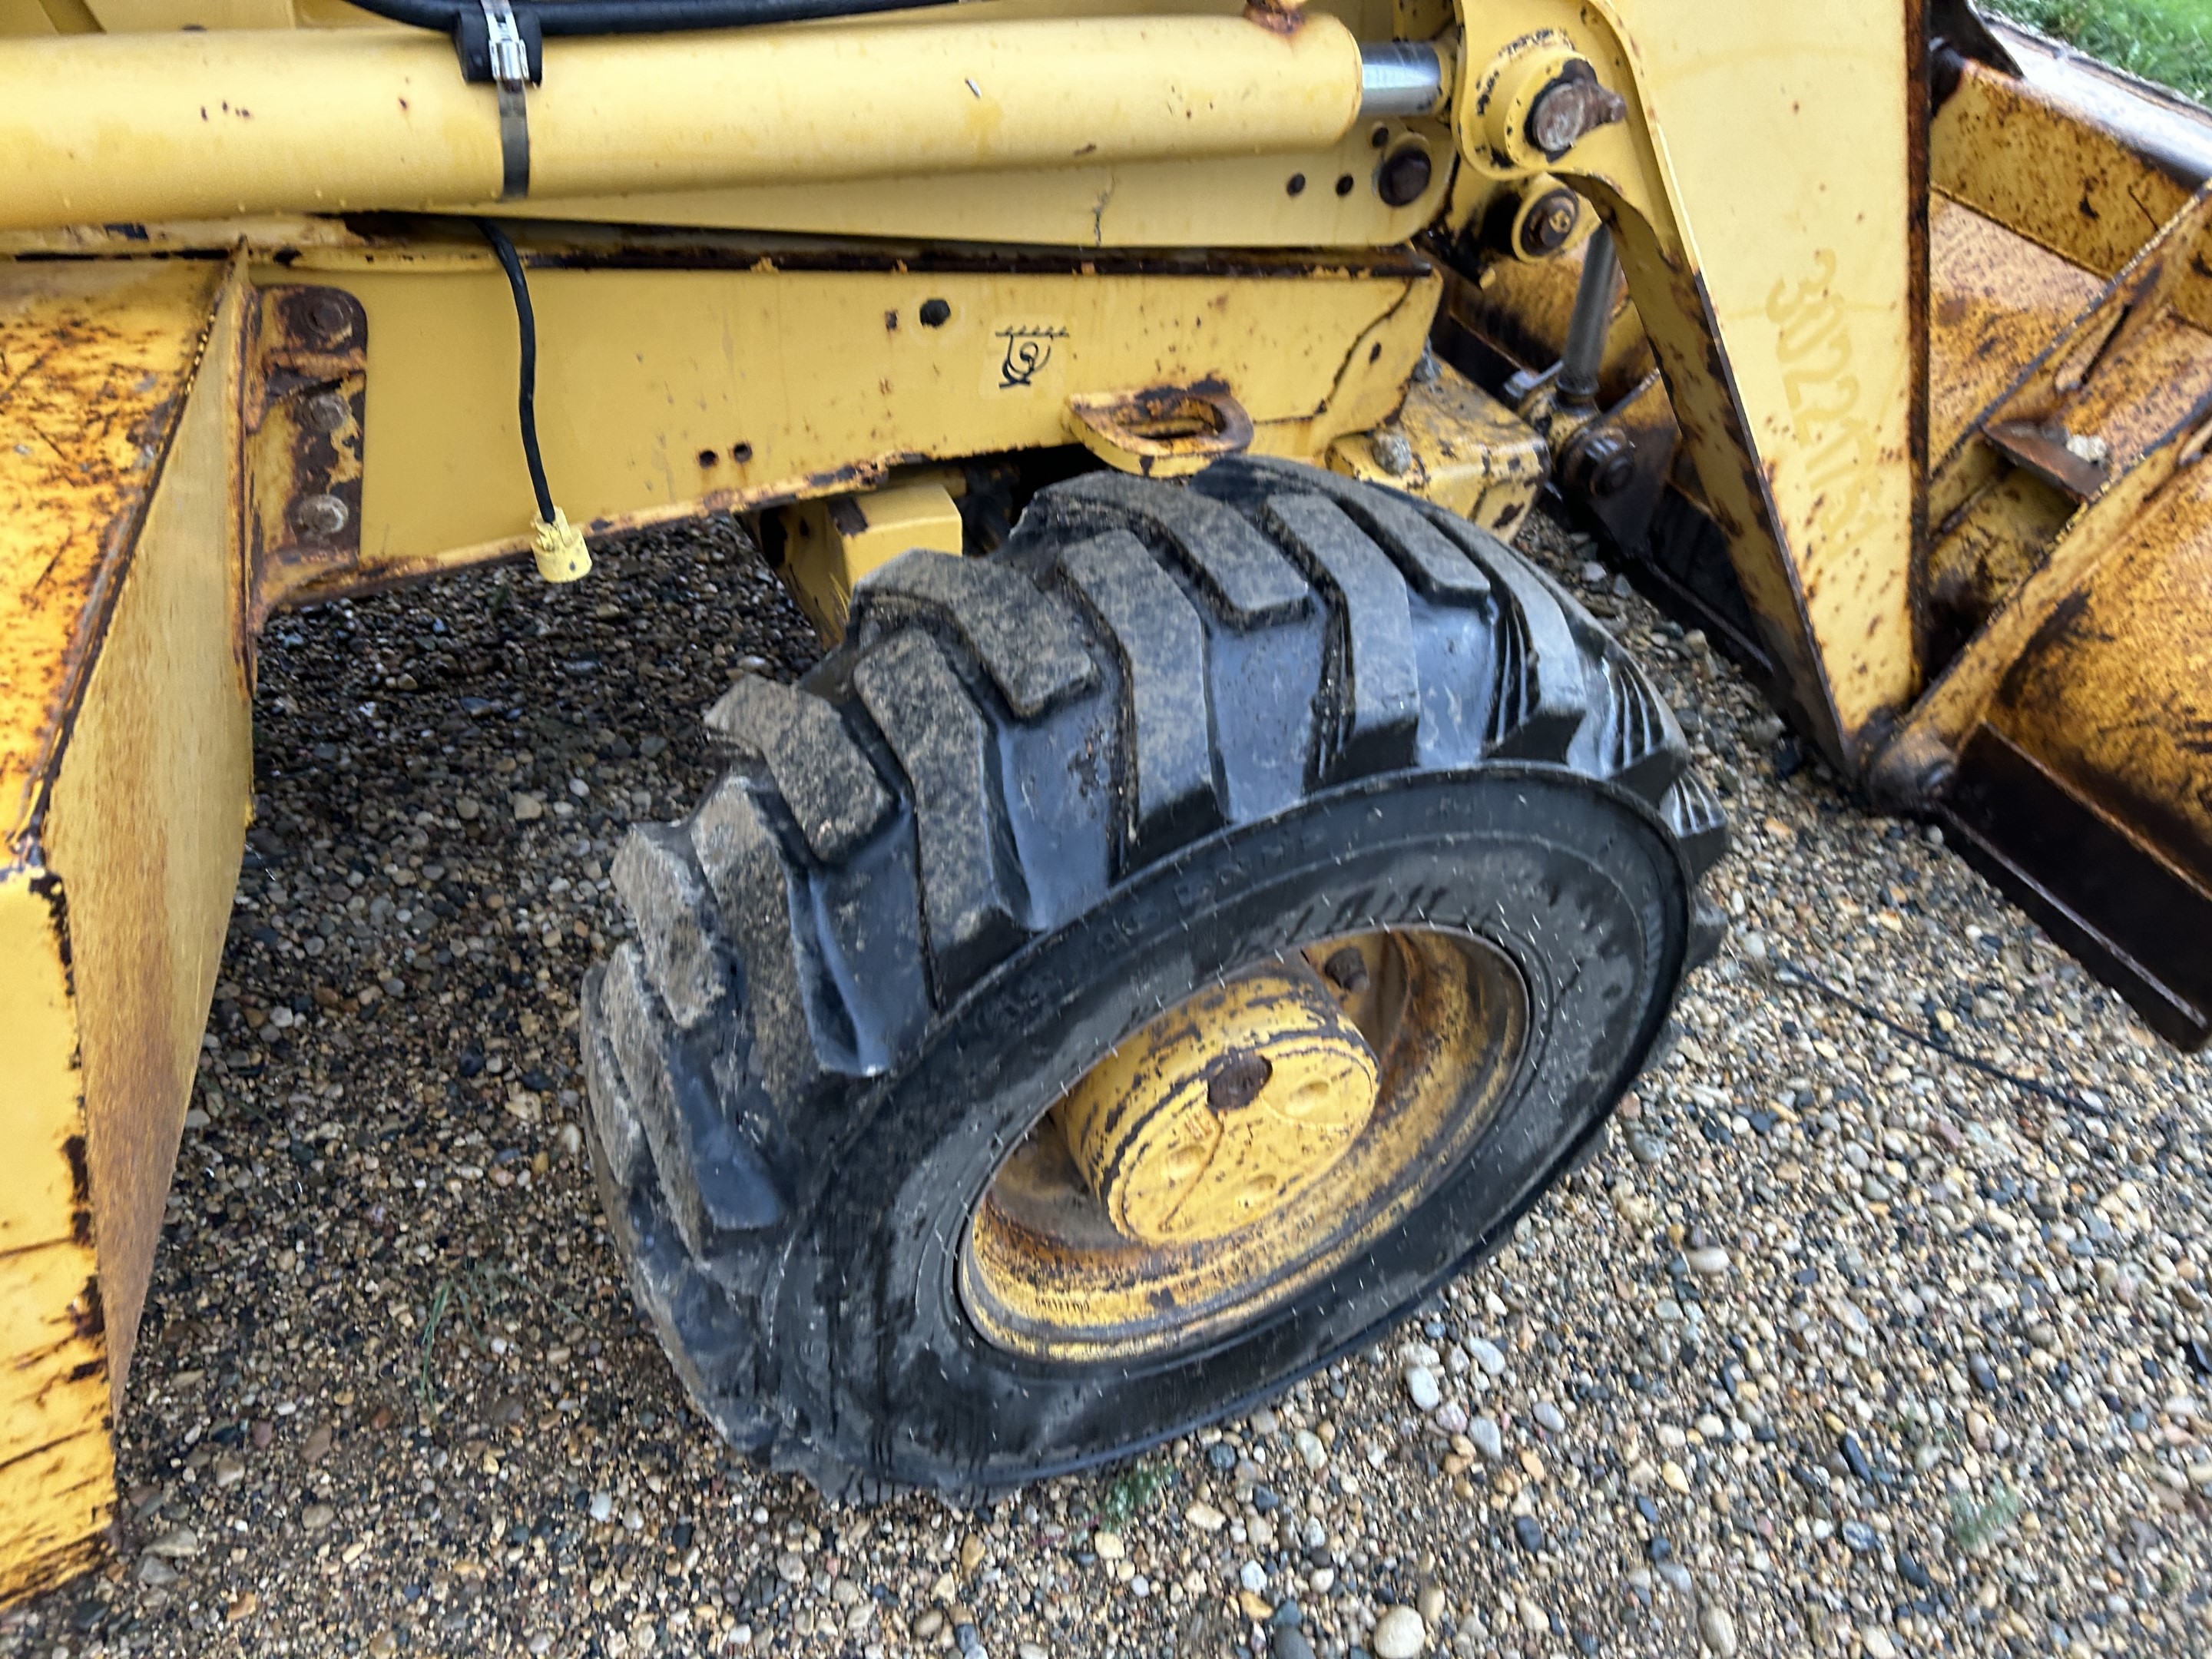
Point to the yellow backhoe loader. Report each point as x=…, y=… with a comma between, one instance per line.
x=1211, y=886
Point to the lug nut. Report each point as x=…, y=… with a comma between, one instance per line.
x=1237, y=1083
x=319, y=517
x=1346, y=968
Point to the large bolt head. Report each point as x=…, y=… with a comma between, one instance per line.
x=319, y=517
x=1574, y=106
x=1404, y=174
x=326, y=411
x=1549, y=221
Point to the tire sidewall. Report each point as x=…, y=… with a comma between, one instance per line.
x=1575, y=881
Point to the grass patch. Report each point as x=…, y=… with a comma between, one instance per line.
x=1131, y=1494
x=1975, y=1527
x=2169, y=41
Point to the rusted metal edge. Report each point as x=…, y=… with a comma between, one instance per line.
x=2159, y=124
x=552, y=243
x=118, y=546
x=1801, y=667
x=2063, y=859
x=402, y=573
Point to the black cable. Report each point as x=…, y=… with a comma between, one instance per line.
x=1813, y=981
x=526, y=397
x=586, y=17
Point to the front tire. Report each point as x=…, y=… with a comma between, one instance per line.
x=1166, y=735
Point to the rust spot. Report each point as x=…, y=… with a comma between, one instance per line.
x=80, y=1174
x=306, y=416
x=89, y=1313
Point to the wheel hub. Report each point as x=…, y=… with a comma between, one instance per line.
x=1225, y=1109
x=1241, y=1144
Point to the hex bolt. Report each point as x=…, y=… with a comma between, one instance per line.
x=320, y=517
x=1238, y=1082
x=1392, y=452
x=1601, y=460
x=1549, y=221
x=331, y=316
x=1403, y=176
x=326, y=411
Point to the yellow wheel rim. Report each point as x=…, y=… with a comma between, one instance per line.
x=1243, y=1145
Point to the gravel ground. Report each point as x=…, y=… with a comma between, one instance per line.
x=1839, y=1346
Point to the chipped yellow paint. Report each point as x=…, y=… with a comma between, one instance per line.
x=1465, y=450
x=56, y=1465
x=148, y=822
x=94, y=361
x=106, y=127
x=1045, y=1270
x=1764, y=197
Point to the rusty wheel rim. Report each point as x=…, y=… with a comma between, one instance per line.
x=1242, y=1146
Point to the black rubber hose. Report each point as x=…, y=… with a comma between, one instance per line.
x=526, y=397
x=584, y=17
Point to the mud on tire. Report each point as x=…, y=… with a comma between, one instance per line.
x=1030, y=801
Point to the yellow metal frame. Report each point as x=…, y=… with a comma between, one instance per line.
x=778, y=270
x=125, y=781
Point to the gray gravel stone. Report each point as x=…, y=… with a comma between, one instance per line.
x=1717, y=1629
x=1399, y=1634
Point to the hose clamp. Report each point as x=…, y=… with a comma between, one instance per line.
x=509, y=57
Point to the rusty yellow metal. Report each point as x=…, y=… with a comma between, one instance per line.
x=823, y=547
x=2020, y=157
x=73, y=489
x=146, y=820
x=1161, y=431
x=1772, y=215
x=1045, y=1272
x=1919, y=757
x=1222, y=1110
x=1462, y=450
x=301, y=406
x=2133, y=643
x=56, y=1461
x=2099, y=424
x=123, y=784
x=108, y=128
x=664, y=393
